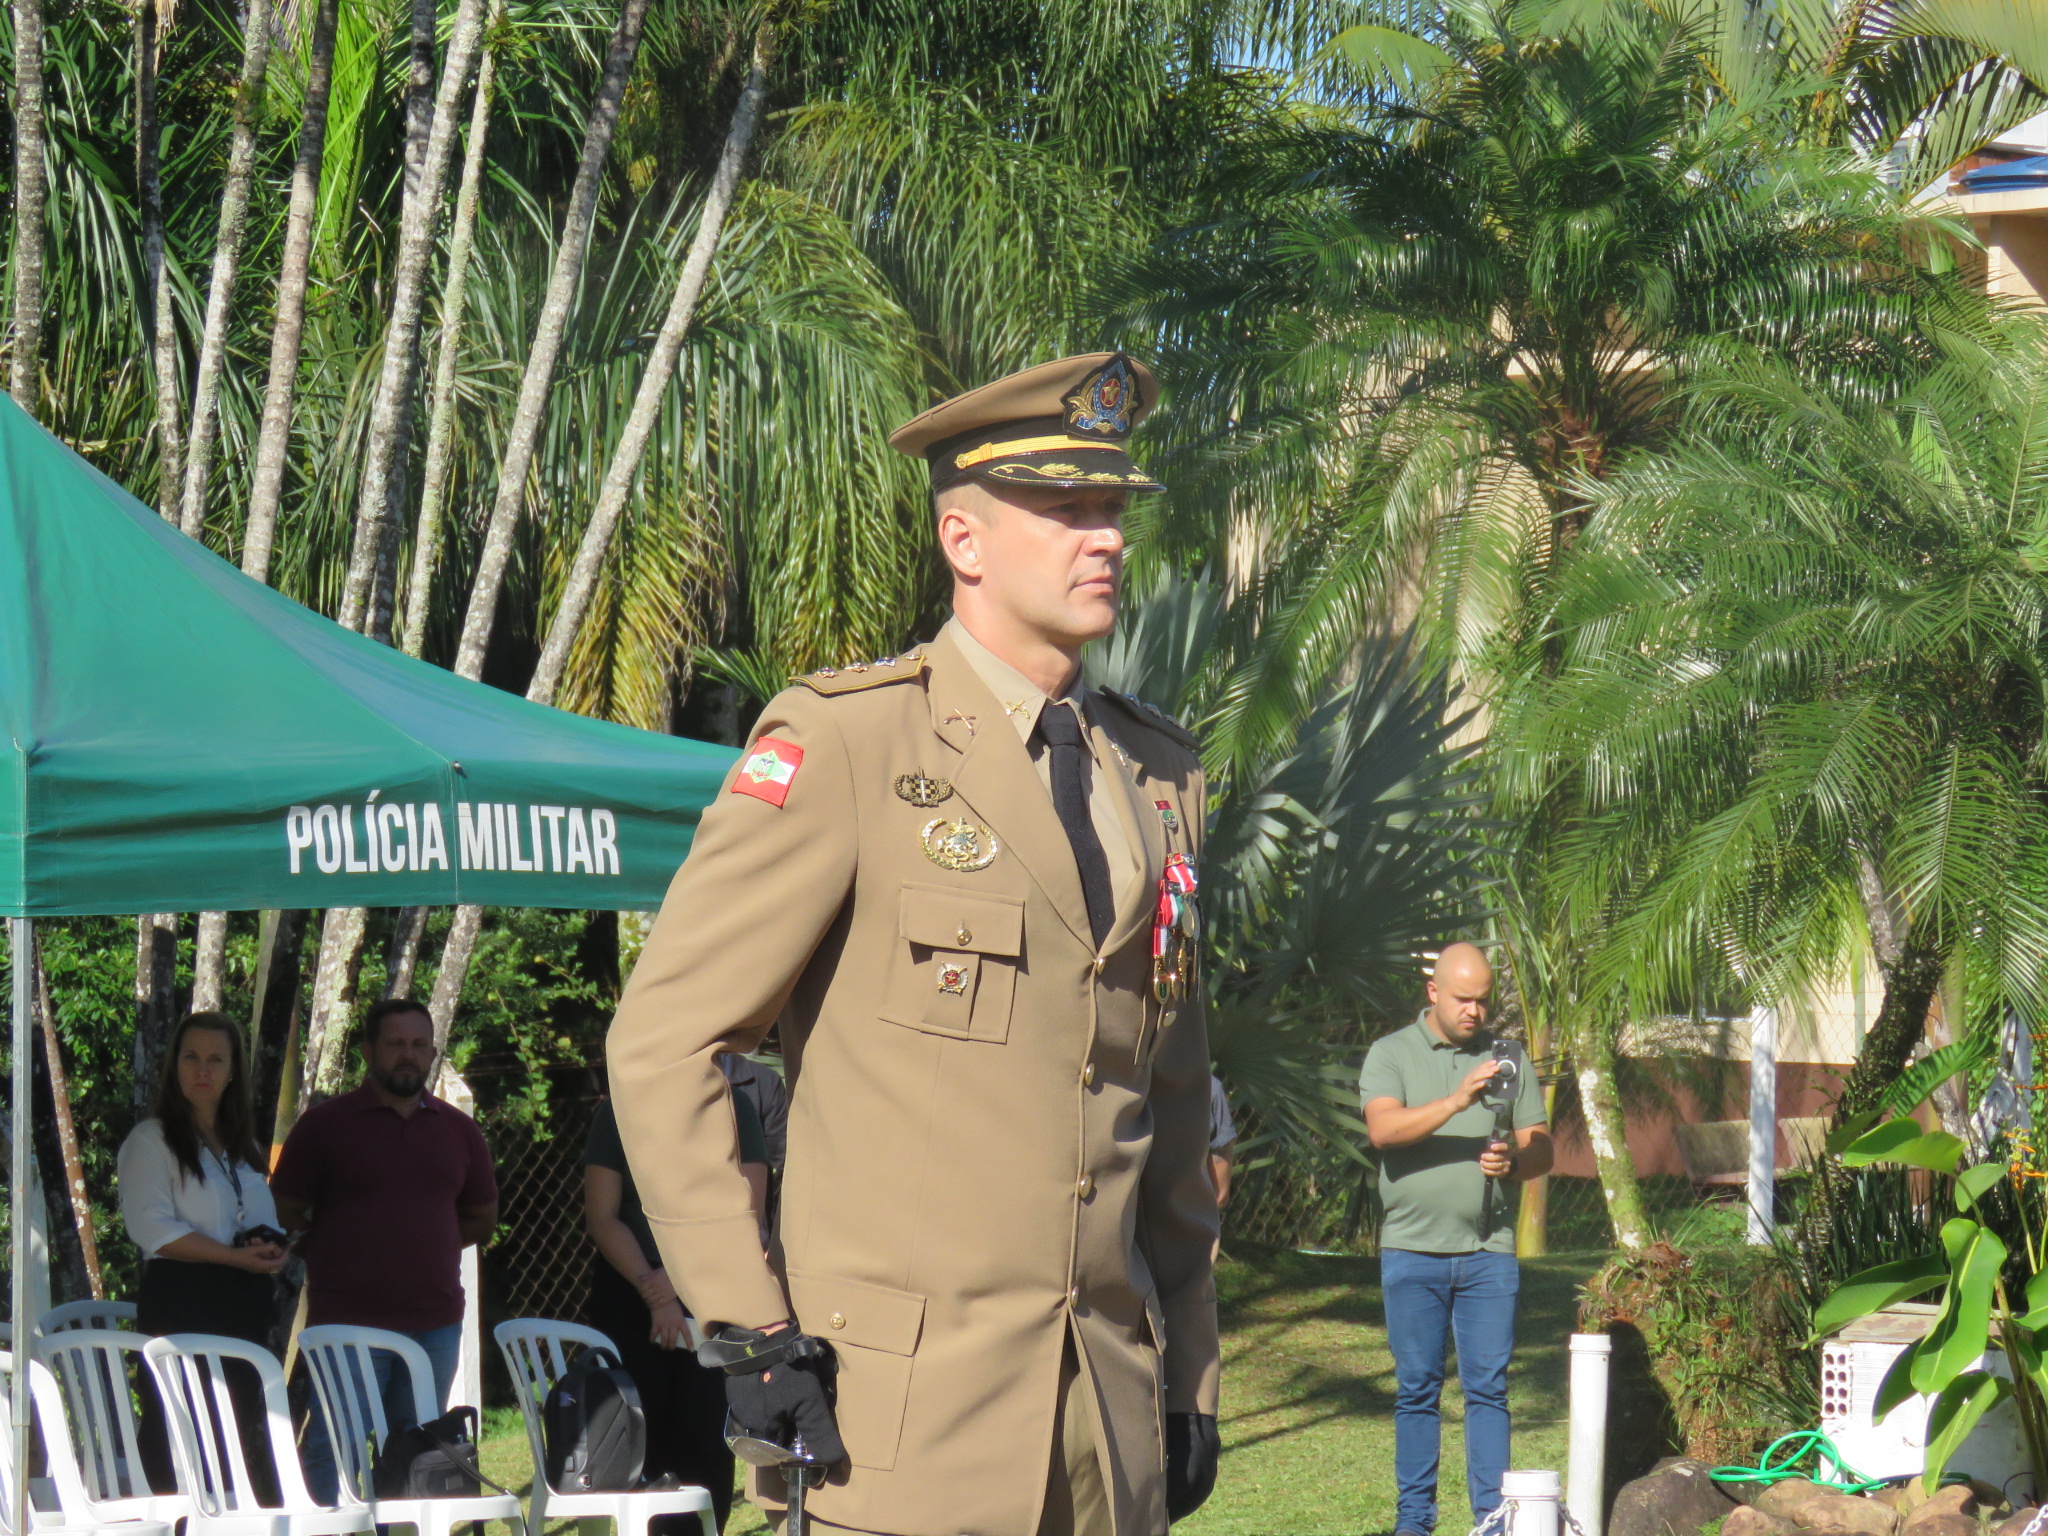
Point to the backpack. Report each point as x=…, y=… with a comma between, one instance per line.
x=436, y=1460
x=593, y=1429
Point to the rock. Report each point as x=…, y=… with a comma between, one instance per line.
x=1903, y=1497
x=1990, y=1499
x=1958, y=1501
x=2017, y=1522
x=1745, y=1521
x=1950, y=1511
x=1828, y=1511
x=1676, y=1498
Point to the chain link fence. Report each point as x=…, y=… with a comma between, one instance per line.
x=539, y=1265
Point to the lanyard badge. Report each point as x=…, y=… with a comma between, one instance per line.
x=1174, y=930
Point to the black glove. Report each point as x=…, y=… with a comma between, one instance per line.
x=778, y=1386
x=1192, y=1447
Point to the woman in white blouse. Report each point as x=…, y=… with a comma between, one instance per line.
x=195, y=1201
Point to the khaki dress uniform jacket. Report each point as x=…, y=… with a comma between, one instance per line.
x=997, y=1137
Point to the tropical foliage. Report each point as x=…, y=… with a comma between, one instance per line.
x=1472, y=315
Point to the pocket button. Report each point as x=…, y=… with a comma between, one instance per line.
x=837, y=1320
x=966, y=936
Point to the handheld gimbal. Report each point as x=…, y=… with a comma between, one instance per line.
x=1500, y=1098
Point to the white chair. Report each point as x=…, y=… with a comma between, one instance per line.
x=537, y=1353
x=206, y=1442
x=345, y=1379
x=61, y=1484
x=95, y=1369
x=86, y=1314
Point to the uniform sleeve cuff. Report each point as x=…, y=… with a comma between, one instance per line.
x=717, y=1266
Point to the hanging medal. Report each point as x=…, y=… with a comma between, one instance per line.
x=1175, y=928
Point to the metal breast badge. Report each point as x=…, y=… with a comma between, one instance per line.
x=922, y=790
x=960, y=845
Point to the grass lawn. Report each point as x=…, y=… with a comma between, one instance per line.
x=1308, y=1398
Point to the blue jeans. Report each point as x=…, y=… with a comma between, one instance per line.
x=1429, y=1298
x=394, y=1385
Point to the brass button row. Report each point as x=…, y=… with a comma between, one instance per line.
x=1086, y=1186
x=1088, y=1075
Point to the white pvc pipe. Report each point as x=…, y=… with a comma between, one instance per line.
x=1532, y=1498
x=1586, y=1471
x=1763, y=1123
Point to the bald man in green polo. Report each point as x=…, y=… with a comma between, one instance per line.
x=1447, y=1250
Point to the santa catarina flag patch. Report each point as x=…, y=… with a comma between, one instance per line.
x=769, y=770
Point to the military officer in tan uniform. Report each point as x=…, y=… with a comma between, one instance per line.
x=965, y=886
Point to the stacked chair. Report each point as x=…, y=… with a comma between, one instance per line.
x=74, y=1509
x=85, y=1362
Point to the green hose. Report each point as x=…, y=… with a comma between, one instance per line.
x=1804, y=1442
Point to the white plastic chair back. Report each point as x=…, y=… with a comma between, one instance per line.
x=46, y=1409
x=537, y=1353
x=86, y=1314
x=206, y=1442
x=345, y=1378
x=93, y=1368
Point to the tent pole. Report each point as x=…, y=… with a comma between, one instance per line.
x=21, y=935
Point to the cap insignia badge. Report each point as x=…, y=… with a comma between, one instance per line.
x=959, y=845
x=953, y=980
x=1167, y=815
x=1101, y=404
x=922, y=790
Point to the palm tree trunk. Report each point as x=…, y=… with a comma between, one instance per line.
x=227, y=255
x=273, y=439
x=156, y=278
x=624, y=468
x=30, y=192
x=461, y=945
x=367, y=600
x=274, y=1017
x=402, y=955
x=456, y=953
x=209, y=962
x=156, y=997
x=1607, y=1130
x=1910, y=981
x=419, y=94
x=335, y=975
x=426, y=547
x=523, y=438
x=64, y=1127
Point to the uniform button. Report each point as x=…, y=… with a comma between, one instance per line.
x=837, y=1319
x=1074, y=1296
x=1097, y=966
x=966, y=936
x=1088, y=1075
x=1086, y=1186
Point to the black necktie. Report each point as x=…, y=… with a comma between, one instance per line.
x=1060, y=730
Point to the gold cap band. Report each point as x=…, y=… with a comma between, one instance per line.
x=989, y=451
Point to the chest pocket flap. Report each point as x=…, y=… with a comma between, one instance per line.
x=955, y=972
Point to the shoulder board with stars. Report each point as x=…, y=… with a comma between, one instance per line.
x=1154, y=716
x=857, y=675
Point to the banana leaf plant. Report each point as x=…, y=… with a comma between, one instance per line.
x=1950, y=1363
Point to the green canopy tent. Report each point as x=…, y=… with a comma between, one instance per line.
x=179, y=737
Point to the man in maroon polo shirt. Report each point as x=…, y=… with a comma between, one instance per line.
x=390, y=1184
